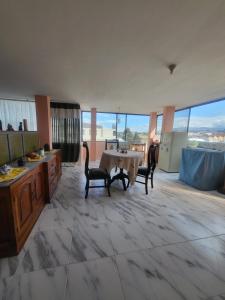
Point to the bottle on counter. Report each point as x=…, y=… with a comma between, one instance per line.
x=21, y=126
x=41, y=152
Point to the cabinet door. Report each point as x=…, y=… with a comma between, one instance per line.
x=58, y=164
x=38, y=181
x=23, y=195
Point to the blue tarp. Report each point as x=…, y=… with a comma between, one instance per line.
x=202, y=168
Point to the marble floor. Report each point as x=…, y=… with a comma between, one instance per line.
x=169, y=244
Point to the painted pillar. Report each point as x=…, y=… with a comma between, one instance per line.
x=152, y=127
x=43, y=114
x=168, y=117
x=93, y=135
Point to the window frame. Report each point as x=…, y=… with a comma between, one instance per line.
x=116, y=113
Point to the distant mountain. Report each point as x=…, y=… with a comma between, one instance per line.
x=207, y=129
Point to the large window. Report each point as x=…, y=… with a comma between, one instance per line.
x=159, y=126
x=181, y=118
x=125, y=127
x=207, y=122
x=14, y=111
x=106, y=126
x=137, y=128
x=86, y=125
x=121, y=127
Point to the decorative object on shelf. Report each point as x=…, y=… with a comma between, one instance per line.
x=25, y=126
x=21, y=126
x=0, y=125
x=46, y=147
x=21, y=162
x=10, y=128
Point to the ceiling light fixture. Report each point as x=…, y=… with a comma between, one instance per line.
x=172, y=67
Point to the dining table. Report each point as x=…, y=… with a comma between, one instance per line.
x=124, y=160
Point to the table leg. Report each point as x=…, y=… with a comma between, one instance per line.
x=121, y=176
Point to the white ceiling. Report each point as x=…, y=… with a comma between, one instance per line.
x=113, y=54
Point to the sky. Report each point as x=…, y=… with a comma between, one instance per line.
x=138, y=123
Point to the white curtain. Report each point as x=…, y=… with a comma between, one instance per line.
x=14, y=111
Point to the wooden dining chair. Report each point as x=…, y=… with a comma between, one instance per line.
x=148, y=172
x=95, y=174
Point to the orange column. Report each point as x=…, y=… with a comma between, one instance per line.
x=93, y=135
x=168, y=117
x=43, y=114
x=152, y=127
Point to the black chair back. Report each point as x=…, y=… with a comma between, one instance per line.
x=151, y=158
x=114, y=141
x=85, y=145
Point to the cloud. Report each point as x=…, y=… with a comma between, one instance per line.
x=209, y=122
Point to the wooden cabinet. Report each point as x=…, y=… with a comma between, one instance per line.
x=53, y=173
x=22, y=195
x=22, y=201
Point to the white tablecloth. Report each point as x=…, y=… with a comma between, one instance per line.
x=128, y=161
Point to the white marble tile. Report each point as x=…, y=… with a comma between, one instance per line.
x=127, y=236
x=48, y=284
x=51, y=219
x=90, y=242
x=189, y=226
x=87, y=211
x=160, y=231
x=190, y=270
x=47, y=249
x=219, y=297
x=10, y=265
x=93, y=280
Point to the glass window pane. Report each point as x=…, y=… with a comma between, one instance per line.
x=106, y=126
x=159, y=126
x=86, y=125
x=14, y=111
x=181, y=120
x=121, y=124
x=207, y=122
x=137, y=128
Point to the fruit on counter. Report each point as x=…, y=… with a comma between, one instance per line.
x=33, y=155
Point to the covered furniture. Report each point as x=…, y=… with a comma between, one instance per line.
x=95, y=174
x=128, y=161
x=202, y=168
x=148, y=172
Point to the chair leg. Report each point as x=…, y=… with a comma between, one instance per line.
x=128, y=183
x=108, y=187
x=86, y=189
x=152, y=181
x=146, y=185
x=124, y=184
x=105, y=182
